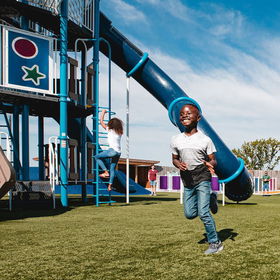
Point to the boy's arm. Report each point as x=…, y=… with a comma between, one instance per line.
x=179, y=164
x=211, y=163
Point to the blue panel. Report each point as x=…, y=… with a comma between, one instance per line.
x=28, y=60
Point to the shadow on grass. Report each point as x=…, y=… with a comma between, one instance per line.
x=237, y=203
x=143, y=200
x=29, y=209
x=223, y=234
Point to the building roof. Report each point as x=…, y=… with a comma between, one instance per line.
x=138, y=162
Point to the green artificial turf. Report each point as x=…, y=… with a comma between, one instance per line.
x=147, y=239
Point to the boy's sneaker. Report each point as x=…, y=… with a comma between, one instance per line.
x=214, y=248
x=213, y=203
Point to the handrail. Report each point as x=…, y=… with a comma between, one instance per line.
x=109, y=73
x=75, y=49
x=53, y=164
x=138, y=65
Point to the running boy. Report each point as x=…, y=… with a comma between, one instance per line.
x=193, y=154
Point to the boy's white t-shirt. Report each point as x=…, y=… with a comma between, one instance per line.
x=114, y=140
x=192, y=149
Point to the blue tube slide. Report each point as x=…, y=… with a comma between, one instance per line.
x=230, y=169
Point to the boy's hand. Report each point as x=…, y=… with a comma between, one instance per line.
x=209, y=166
x=182, y=166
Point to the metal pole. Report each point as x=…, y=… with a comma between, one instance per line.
x=16, y=155
x=25, y=143
x=63, y=104
x=127, y=139
x=24, y=22
x=41, y=148
x=109, y=75
x=95, y=124
x=181, y=192
x=224, y=189
x=83, y=128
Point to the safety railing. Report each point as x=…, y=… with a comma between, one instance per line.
x=53, y=164
x=79, y=11
x=50, y=5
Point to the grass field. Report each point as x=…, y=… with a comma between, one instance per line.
x=148, y=239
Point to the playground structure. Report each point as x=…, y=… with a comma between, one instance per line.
x=65, y=87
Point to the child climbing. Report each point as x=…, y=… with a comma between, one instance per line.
x=115, y=132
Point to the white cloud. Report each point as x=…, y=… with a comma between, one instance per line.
x=127, y=12
x=222, y=22
x=235, y=105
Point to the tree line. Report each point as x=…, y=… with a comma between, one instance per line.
x=260, y=154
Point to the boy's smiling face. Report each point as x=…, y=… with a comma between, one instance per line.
x=189, y=116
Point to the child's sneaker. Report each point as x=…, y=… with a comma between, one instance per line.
x=213, y=203
x=214, y=248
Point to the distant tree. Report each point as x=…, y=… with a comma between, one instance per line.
x=260, y=154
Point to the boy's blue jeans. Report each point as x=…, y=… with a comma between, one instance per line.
x=113, y=156
x=196, y=203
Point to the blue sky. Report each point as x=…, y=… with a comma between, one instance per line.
x=225, y=54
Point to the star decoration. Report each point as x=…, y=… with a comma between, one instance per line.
x=33, y=74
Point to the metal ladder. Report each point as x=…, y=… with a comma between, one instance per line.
x=98, y=183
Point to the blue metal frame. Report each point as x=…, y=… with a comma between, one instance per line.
x=23, y=20
x=25, y=143
x=16, y=155
x=63, y=104
x=95, y=125
x=109, y=75
x=41, y=148
x=83, y=128
x=95, y=118
x=25, y=120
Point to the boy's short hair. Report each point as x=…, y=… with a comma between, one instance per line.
x=193, y=105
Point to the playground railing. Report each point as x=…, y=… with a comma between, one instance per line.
x=79, y=11
x=53, y=164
